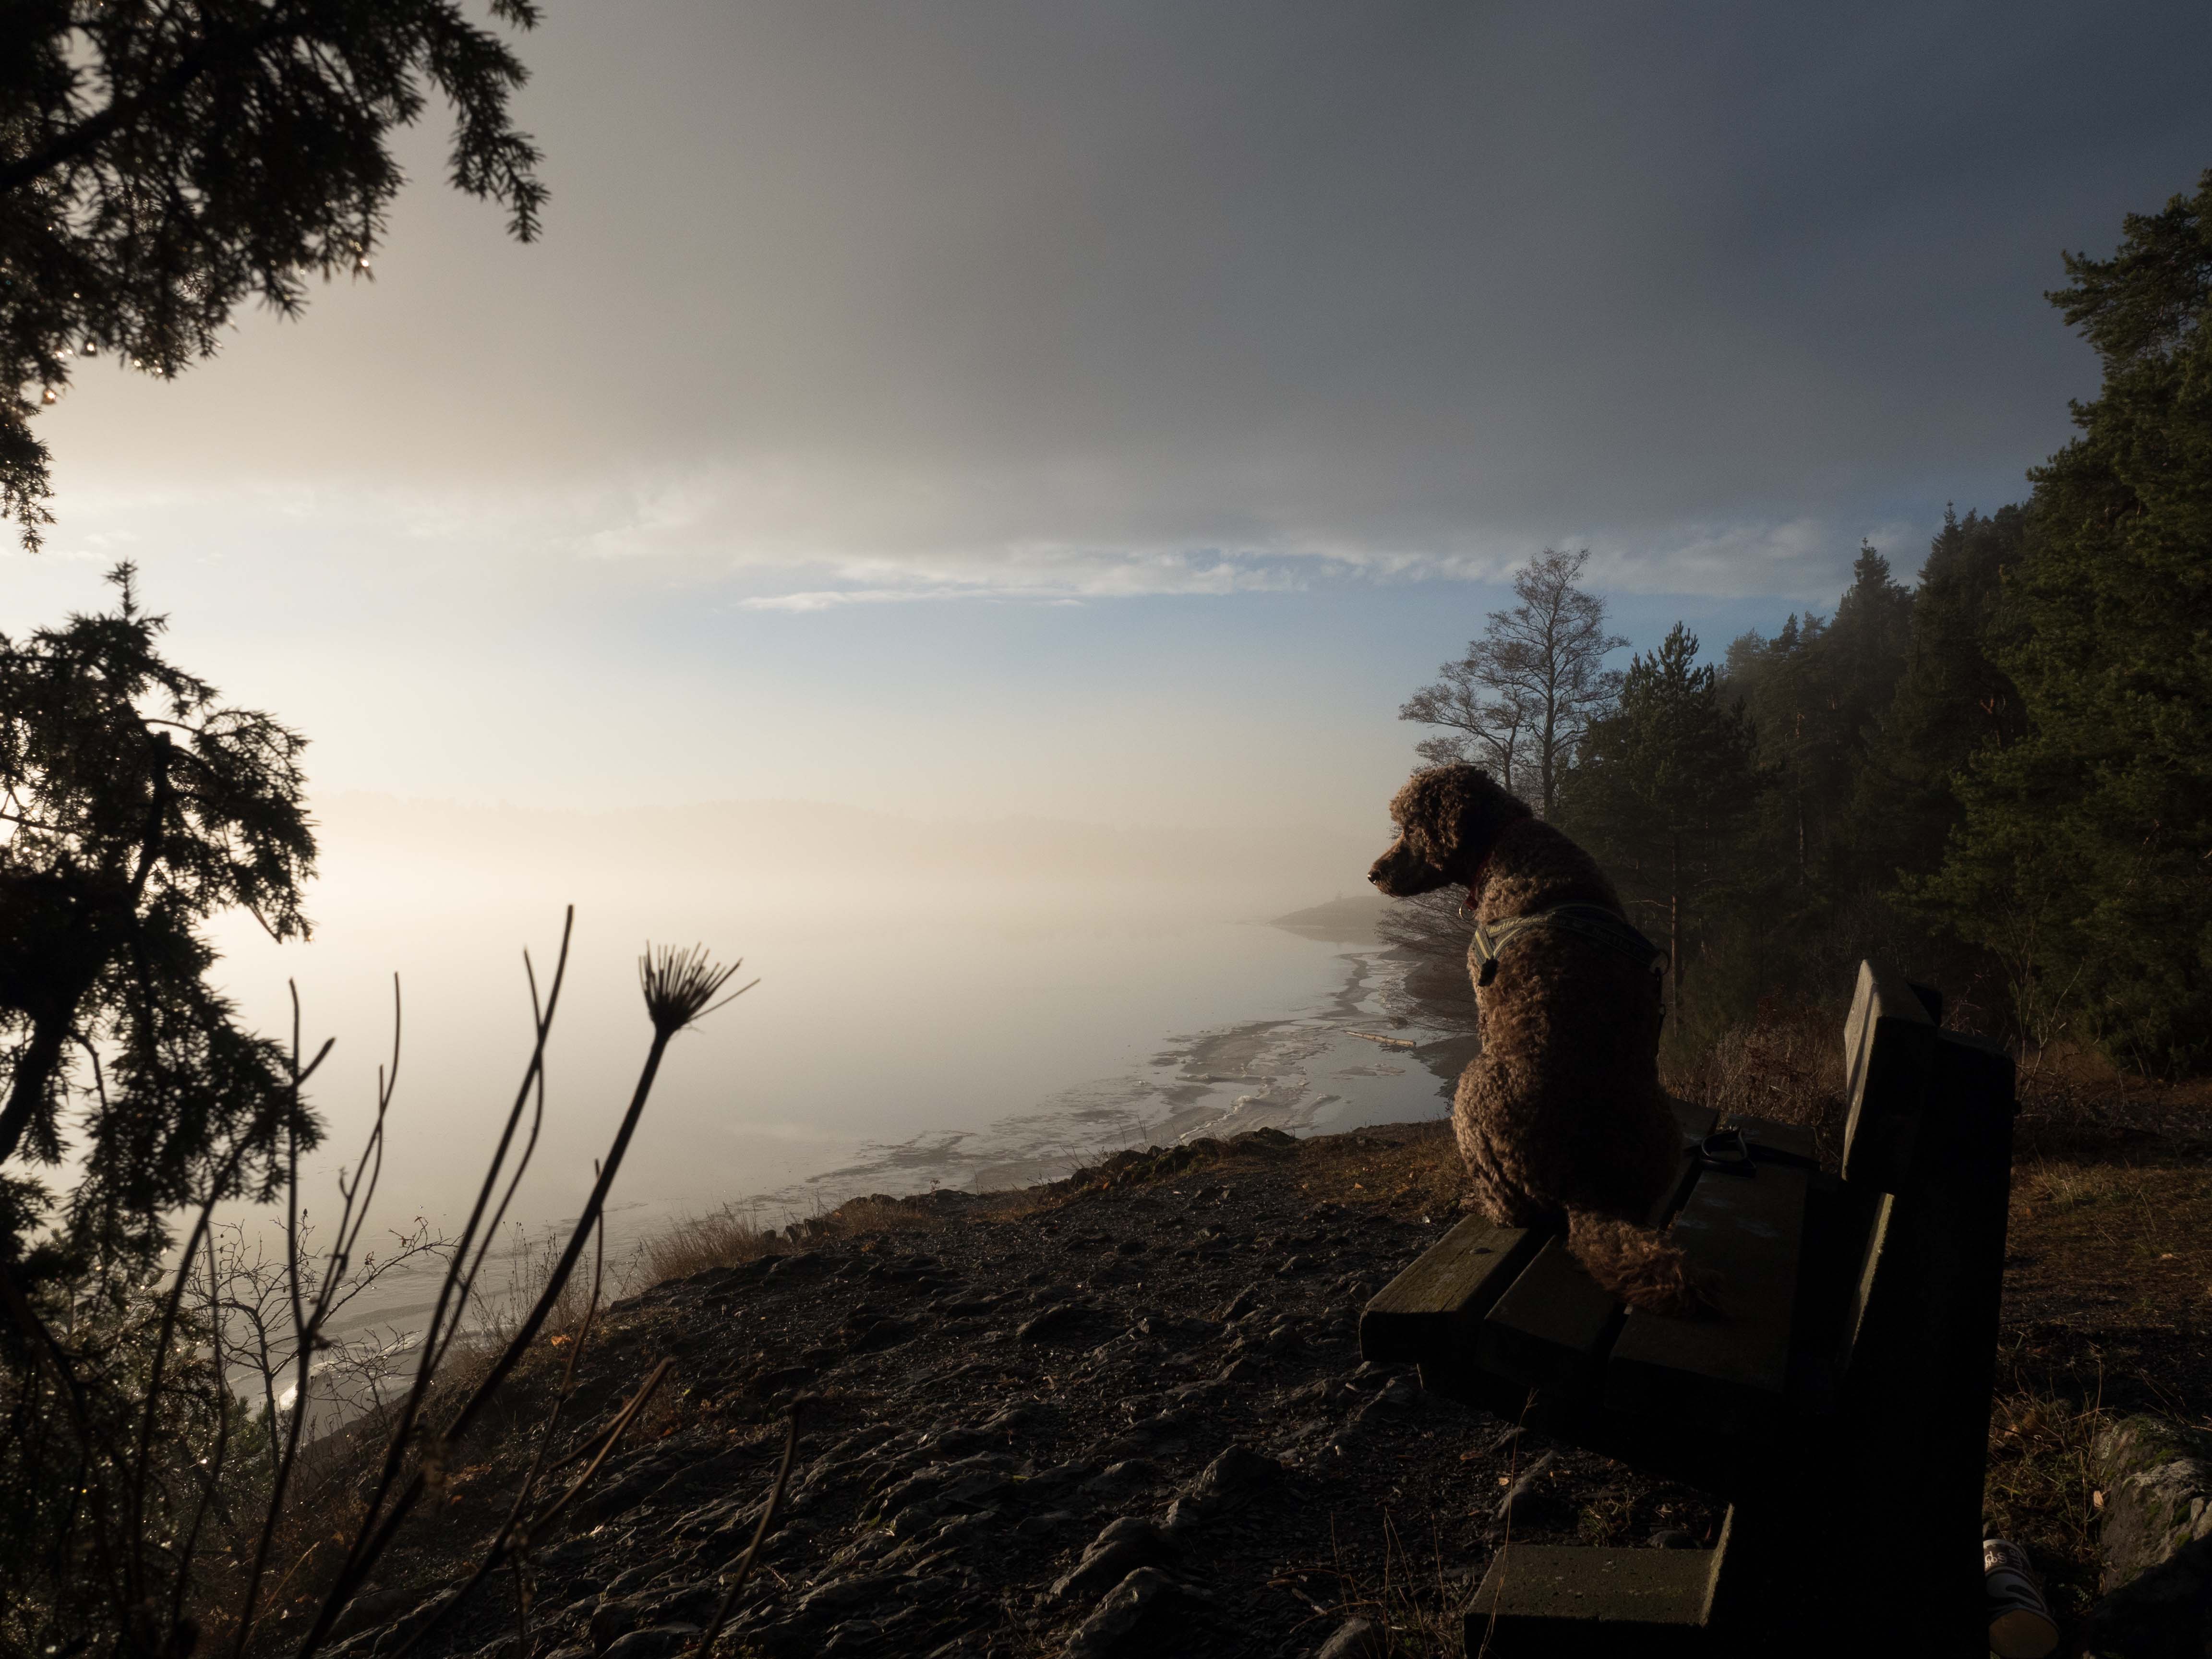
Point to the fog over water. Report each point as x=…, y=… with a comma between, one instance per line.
x=965, y=1004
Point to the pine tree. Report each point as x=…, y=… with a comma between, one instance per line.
x=1814, y=693
x=1663, y=793
x=1951, y=700
x=2085, y=856
x=136, y=806
x=160, y=164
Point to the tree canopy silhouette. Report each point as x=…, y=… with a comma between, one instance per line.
x=1663, y=791
x=2082, y=855
x=162, y=163
x=1518, y=702
x=133, y=806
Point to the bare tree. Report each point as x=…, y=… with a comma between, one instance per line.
x=1520, y=700
x=245, y=1299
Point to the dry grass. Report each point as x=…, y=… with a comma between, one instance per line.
x=1416, y=1606
x=730, y=1238
x=2112, y=1242
x=701, y=1243
x=497, y=1310
x=1786, y=1067
x=1413, y=1170
x=2039, y=1491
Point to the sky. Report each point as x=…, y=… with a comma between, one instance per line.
x=1110, y=412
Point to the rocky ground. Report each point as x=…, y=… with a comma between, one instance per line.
x=1126, y=1413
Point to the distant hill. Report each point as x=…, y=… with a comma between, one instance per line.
x=1347, y=921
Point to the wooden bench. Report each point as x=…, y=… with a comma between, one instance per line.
x=1838, y=1401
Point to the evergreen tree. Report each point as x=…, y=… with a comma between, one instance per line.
x=1951, y=702
x=1662, y=794
x=2085, y=856
x=135, y=807
x=161, y=164
x=1814, y=693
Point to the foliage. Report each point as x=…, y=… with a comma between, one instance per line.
x=2083, y=857
x=1950, y=702
x=1663, y=791
x=1518, y=702
x=134, y=805
x=1814, y=693
x=141, y=1505
x=160, y=164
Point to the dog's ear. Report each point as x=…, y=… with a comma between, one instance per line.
x=1450, y=810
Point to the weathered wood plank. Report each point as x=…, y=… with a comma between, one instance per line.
x=1775, y=1141
x=1697, y=1122
x=1426, y=1313
x=1558, y=1602
x=1743, y=1234
x=1552, y=1327
x=1870, y=1269
x=1889, y=1057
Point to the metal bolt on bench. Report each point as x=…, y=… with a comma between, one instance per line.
x=1840, y=1401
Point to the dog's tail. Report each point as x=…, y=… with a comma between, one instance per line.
x=1635, y=1263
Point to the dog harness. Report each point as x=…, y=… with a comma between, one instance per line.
x=1592, y=923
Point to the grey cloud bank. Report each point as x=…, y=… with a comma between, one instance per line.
x=1086, y=300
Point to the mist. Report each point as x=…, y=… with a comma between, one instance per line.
x=923, y=985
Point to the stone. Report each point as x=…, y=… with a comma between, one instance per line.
x=1058, y=1319
x=373, y=1607
x=2157, y=1481
x=1117, y=1614
x=1355, y=1638
x=854, y=1636
x=654, y=1641
x=1518, y=1494
x=1025, y=1418
x=860, y=1590
x=2166, y=1613
x=1238, y=1305
x=1232, y=1481
x=1124, y=1546
x=1044, y=1524
x=1123, y=1479
x=686, y=1604
x=1050, y=1485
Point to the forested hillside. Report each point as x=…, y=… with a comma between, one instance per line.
x=1999, y=777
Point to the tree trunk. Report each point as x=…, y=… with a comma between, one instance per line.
x=35, y=1069
x=1674, y=926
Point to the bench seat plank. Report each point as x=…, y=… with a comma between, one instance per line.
x=1552, y=1327
x=1558, y=1602
x=1426, y=1314
x=1786, y=1142
x=1743, y=1234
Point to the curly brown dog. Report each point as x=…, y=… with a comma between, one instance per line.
x=1561, y=1115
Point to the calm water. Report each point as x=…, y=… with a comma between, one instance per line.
x=905, y=1034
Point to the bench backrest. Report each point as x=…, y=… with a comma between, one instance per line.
x=1928, y=1160
x=1889, y=1059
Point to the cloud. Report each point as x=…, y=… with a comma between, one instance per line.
x=1043, y=301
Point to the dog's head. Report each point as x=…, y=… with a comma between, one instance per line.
x=1447, y=819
